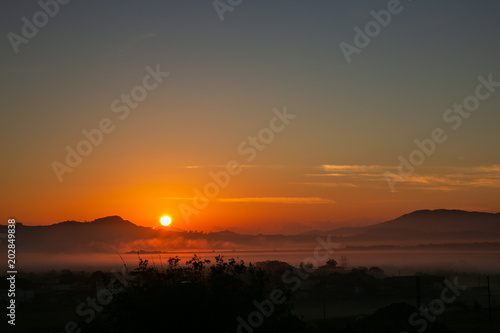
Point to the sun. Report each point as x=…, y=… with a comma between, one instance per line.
x=165, y=220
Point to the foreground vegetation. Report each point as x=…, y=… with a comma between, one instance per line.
x=231, y=296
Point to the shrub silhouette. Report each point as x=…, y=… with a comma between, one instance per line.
x=332, y=263
x=194, y=298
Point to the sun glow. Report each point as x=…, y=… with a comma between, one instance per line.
x=165, y=220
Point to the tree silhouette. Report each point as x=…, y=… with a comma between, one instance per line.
x=332, y=263
x=193, y=298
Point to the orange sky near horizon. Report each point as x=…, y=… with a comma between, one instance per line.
x=276, y=199
x=155, y=99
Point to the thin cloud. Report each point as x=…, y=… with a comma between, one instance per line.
x=271, y=200
x=354, y=171
x=355, y=168
x=330, y=184
x=455, y=178
x=279, y=200
x=433, y=178
x=439, y=188
x=138, y=39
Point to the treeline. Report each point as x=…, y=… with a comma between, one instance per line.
x=197, y=297
x=219, y=296
x=229, y=296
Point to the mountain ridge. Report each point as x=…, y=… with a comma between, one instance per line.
x=412, y=228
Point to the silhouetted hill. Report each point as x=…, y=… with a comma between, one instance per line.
x=442, y=220
x=428, y=225
x=69, y=236
x=419, y=227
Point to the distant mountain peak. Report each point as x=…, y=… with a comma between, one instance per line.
x=109, y=219
x=427, y=212
x=446, y=212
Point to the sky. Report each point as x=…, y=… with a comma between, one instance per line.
x=259, y=116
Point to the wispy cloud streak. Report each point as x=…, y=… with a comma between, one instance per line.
x=269, y=200
x=435, y=178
